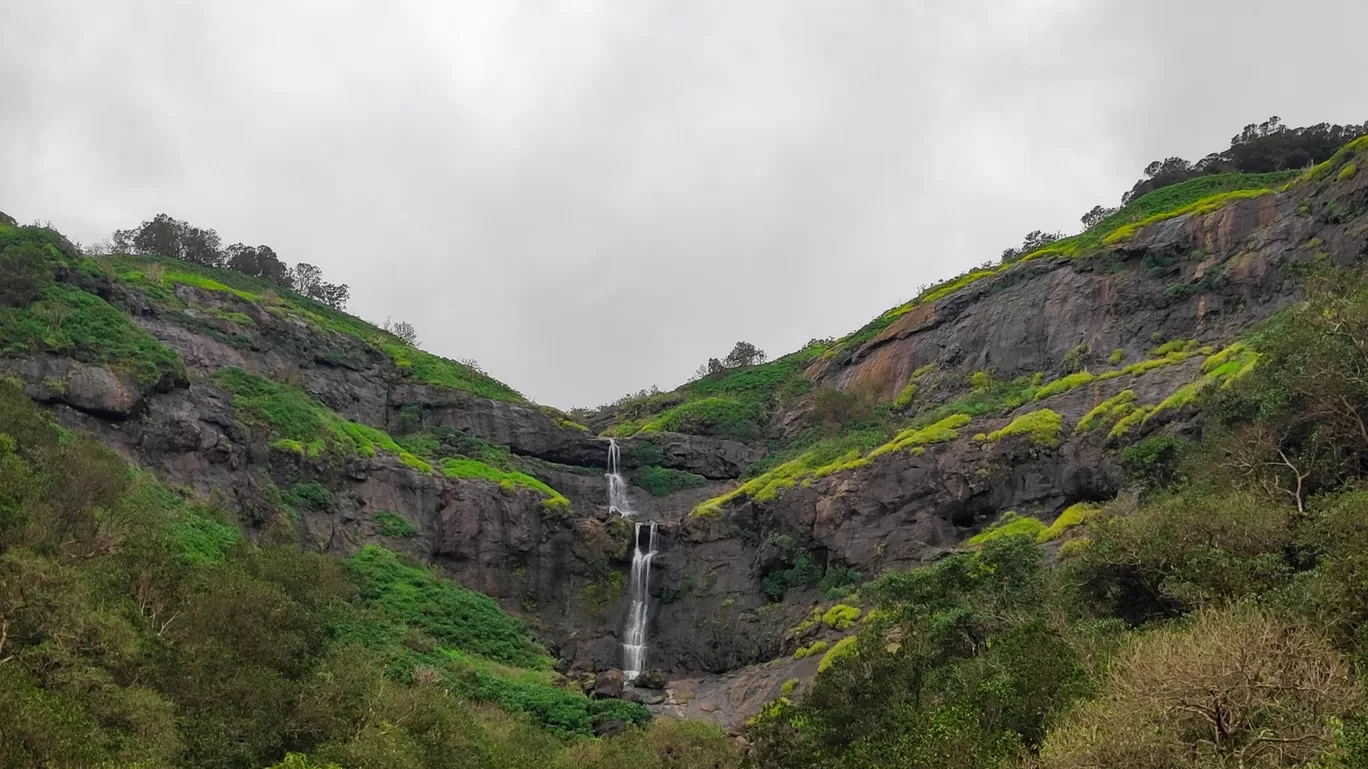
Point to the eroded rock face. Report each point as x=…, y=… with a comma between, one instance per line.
x=93, y=389
x=709, y=612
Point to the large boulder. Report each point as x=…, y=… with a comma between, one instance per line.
x=608, y=685
x=651, y=679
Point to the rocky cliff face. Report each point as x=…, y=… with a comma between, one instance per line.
x=1205, y=278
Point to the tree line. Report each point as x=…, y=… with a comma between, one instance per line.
x=1259, y=148
x=171, y=237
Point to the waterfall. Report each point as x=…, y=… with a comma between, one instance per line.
x=617, y=485
x=634, y=641
x=643, y=549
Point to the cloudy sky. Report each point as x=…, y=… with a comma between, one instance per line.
x=593, y=197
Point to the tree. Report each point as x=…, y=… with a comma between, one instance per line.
x=308, y=280
x=259, y=262
x=1034, y=241
x=744, y=354
x=24, y=270
x=1241, y=688
x=403, y=330
x=171, y=237
x=1096, y=215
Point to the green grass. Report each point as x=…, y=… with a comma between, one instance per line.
x=137, y=272
x=1009, y=525
x=1200, y=195
x=388, y=524
x=1073, y=515
x=1342, y=157
x=297, y=423
x=834, y=455
x=1200, y=207
x=434, y=370
x=1043, y=427
x=454, y=616
x=720, y=417
x=1064, y=384
x=841, y=616
x=68, y=321
x=813, y=649
x=1108, y=411
x=846, y=647
x=473, y=468
x=663, y=481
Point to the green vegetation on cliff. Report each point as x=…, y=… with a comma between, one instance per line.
x=296, y=423
x=49, y=303
x=1235, y=580
x=138, y=629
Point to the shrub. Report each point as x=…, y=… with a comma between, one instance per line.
x=313, y=496
x=1238, y=688
x=453, y=615
x=1076, y=358
x=388, y=524
x=24, y=272
x=1185, y=551
x=1043, y=427
x=1153, y=461
x=841, y=617
x=1073, y=515
x=846, y=647
x=1009, y=525
x=719, y=417
x=470, y=468
x=813, y=649
x=662, y=481
x=1347, y=172
x=1117, y=355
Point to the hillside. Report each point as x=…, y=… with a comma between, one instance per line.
x=947, y=538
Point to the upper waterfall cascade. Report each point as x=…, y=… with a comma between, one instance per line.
x=639, y=589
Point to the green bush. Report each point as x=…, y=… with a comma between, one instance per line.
x=663, y=481
x=66, y=320
x=24, y=271
x=1042, y=427
x=388, y=524
x=1009, y=525
x=470, y=468
x=299, y=424
x=456, y=617
x=716, y=416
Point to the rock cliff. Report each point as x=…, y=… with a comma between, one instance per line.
x=1080, y=329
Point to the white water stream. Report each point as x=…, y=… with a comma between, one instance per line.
x=643, y=550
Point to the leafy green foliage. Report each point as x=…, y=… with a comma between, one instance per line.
x=715, y=416
x=460, y=618
x=471, y=468
x=299, y=424
x=64, y=319
x=1043, y=427
x=663, y=481
x=1009, y=525
x=390, y=524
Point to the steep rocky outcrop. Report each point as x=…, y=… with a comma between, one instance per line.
x=1206, y=278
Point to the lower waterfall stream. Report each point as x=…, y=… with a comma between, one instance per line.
x=639, y=589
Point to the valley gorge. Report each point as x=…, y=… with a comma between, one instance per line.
x=714, y=539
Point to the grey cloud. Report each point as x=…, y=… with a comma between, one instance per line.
x=592, y=197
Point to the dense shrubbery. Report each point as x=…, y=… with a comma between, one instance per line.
x=1219, y=620
x=139, y=630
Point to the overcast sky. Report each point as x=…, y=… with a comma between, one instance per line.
x=593, y=197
